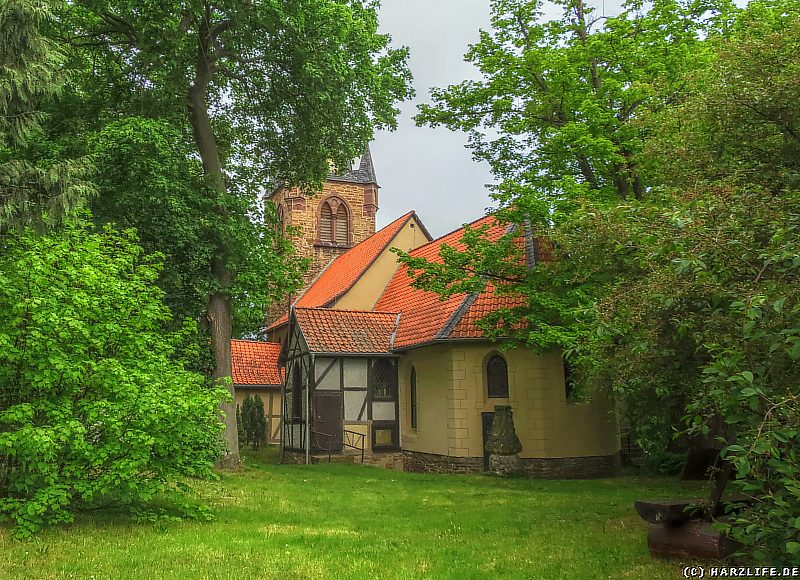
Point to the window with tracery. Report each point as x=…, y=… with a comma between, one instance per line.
x=334, y=222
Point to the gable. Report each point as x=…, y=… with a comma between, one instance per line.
x=364, y=293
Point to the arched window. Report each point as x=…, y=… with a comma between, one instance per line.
x=413, y=392
x=334, y=222
x=497, y=377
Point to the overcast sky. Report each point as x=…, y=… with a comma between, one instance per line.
x=430, y=170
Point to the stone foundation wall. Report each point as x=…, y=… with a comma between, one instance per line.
x=294, y=457
x=385, y=460
x=419, y=462
x=552, y=468
x=572, y=467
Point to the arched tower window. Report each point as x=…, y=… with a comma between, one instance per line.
x=334, y=222
x=497, y=377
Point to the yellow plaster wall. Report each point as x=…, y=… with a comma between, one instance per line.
x=547, y=424
x=366, y=291
x=434, y=388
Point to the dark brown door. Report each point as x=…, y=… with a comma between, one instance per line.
x=328, y=420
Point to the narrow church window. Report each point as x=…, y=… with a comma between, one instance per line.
x=497, y=377
x=334, y=222
x=383, y=380
x=413, y=398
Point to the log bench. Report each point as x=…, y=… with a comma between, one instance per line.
x=678, y=529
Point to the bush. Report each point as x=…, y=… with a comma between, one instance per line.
x=95, y=408
x=254, y=423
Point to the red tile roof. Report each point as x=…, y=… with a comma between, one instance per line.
x=340, y=275
x=346, y=331
x=478, y=307
x=255, y=363
x=425, y=317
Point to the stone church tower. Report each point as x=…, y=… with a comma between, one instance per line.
x=332, y=221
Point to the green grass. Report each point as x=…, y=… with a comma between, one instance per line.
x=349, y=521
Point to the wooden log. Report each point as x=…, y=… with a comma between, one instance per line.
x=668, y=511
x=692, y=539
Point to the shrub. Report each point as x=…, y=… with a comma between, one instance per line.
x=254, y=422
x=95, y=407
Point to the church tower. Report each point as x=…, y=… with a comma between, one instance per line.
x=335, y=219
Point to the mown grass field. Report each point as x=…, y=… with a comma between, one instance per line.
x=348, y=521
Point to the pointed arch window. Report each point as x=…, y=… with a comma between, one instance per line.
x=334, y=222
x=497, y=377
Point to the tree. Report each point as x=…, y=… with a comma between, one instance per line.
x=557, y=112
x=560, y=116
x=272, y=90
x=34, y=188
x=96, y=410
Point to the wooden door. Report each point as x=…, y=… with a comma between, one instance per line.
x=328, y=420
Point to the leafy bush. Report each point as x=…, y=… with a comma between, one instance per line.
x=665, y=462
x=95, y=408
x=254, y=423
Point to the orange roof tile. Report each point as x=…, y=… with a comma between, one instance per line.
x=478, y=307
x=255, y=363
x=344, y=271
x=346, y=331
x=426, y=317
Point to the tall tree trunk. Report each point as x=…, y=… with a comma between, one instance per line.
x=219, y=305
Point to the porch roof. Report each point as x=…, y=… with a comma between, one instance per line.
x=347, y=331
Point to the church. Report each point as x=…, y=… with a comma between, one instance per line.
x=361, y=363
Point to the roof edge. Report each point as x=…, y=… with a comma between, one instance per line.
x=347, y=289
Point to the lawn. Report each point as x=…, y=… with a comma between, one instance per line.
x=349, y=521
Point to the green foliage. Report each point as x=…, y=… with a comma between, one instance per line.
x=146, y=163
x=557, y=112
x=254, y=422
x=96, y=410
x=239, y=425
x=704, y=322
x=259, y=92
x=33, y=188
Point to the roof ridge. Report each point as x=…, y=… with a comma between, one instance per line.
x=252, y=341
x=450, y=233
x=345, y=310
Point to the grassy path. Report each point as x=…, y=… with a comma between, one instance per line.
x=340, y=521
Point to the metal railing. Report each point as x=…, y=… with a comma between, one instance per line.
x=355, y=440
x=315, y=435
